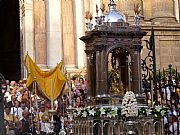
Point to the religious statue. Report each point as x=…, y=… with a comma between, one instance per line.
x=117, y=87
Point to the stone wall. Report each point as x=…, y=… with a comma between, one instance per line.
x=51, y=32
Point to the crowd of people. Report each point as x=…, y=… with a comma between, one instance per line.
x=27, y=113
x=167, y=95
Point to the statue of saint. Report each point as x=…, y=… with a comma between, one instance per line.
x=117, y=87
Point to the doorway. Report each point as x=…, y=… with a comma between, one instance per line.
x=10, y=56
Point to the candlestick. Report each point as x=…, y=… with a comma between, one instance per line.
x=35, y=95
x=51, y=92
x=69, y=88
x=151, y=91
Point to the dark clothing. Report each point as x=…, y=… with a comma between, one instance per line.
x=25, y=126
x=17, y=131
x=58, y=124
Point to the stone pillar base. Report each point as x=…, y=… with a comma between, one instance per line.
x=163, y=19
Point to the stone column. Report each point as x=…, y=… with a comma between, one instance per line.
x=136, y=66
x=98, y=73
x=26, y=32
x=127, y=7
x=101, y=82
x=53, y=32
x=163, y=11
x=78, y=32
x=69, y=48
x=28, y=26
x=147, y=9
x=91, y=73
x=40, y=33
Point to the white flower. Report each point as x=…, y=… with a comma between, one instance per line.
x=114, y=114
x=148, y=111
x=92, y=112
x=102, y=111
x=162, y=112
x=129, y=105
x=84, y=114
x=79, y=111
x=109, y=115
x=88, y=108
x=114, y=109
x=158, y=108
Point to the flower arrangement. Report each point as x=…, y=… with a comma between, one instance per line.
x=112, y=112
x=97, y=112
x=129, y=108
x=156, y=111
x=129, y=105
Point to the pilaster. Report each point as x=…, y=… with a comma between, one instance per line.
x=78, y=32
x=53, y=32
x=27, y=28
x=26, y=32
x=68, y=38
x=40, y=32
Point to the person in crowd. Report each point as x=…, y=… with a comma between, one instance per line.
x=16, y=111
x=8, y=116
x=13, y=99
x=57, y=118
x=22, y=108
x=45, y=124
x=25, y=122
x=173, y=128
x=32, y=124
x=83, y=85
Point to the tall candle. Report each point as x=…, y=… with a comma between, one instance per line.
x=152, y=92
x=51, y=92
x=69, y=88
x=36, y=95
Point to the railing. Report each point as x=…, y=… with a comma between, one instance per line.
x=167, y=95
x=117, y=126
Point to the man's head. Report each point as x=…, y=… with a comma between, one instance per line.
x=25, y=114
x=13, y=98
x=42, y=108
x=7, y=110
x=23, y=105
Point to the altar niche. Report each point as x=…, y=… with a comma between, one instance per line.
x=119, y=72
x=113, y=60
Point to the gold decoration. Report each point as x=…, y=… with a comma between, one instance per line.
x=97, y=10
x=137, y=9
x=117, y=86
x=126, y=15
x=102, y=7
x=88, y=15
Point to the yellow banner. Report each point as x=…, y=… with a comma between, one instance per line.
x=51, y=83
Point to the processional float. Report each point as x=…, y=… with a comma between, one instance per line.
x=116, y=103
